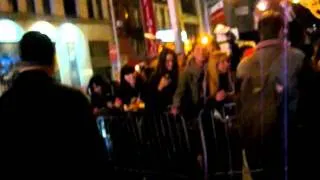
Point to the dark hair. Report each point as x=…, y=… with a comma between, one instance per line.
x=97, y=80
x=270, y=25
x=162, y=69
x=125, y=70
x=36, y=48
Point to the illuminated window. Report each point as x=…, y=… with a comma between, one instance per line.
x=30, y=6
x=90, y=9
x=46, y=6
x=70, y=8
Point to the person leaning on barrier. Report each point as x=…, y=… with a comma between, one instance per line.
x=101, y=93
x=221, y=87
x=163, y=82
x=46, y=127
x=191, y=93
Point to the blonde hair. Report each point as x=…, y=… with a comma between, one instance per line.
x=213, y=73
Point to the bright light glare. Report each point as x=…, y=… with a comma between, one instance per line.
x=69, y=32
x=137, y=68
x=295, y=1
x=45, y=28
x=204, y=40
x=10, y=31
x=262, y=5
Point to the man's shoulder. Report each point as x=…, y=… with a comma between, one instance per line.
x=297, y=53
x=69, y=92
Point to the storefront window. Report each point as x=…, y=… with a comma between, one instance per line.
x=10, y=35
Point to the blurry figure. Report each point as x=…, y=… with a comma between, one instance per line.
x=45, y=126
x=219, y=78
x=190, y=95
x=164, y=81
x=306, y=146
x=101, y=93
x=262, y=105
x=224, y=149
x=235, y=51
x=129, y=90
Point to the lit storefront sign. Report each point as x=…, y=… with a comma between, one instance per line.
x=168, y=35
x=149, y=24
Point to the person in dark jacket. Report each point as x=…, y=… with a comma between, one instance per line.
x=190, y=94
x=101, y=93
x=129, y=89
x=46, y=127
x=164, y=81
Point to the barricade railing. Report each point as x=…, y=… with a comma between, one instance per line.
x=164, y=144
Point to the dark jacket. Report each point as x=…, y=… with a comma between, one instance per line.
x=272, y=50
x=48, y=128
x=187, y=95
x=127, y=92
x=160, y=100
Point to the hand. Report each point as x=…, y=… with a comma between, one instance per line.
x=109, y=104
x=174, y=110
x=164, y=82
x=117, y=103
x=96, y=111
x=279, y=88
x=220, y=96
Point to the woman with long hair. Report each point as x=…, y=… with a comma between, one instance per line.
x=164, y=81
x=100, y=92
x=221, y=141
x=219, y=77
x=129, y=90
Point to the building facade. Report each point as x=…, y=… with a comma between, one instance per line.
x=80, y=29
x=187, y=12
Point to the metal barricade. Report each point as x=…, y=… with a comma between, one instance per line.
x=164, y=145
x=147, y=142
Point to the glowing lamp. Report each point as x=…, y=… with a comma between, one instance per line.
x=205, y=40
x=262, y=5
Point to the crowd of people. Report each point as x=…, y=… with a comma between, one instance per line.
x=48, y=127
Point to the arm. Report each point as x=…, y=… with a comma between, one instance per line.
x=180, y=90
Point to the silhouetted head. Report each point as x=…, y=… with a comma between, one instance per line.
x=270, y=25
x=37, y=49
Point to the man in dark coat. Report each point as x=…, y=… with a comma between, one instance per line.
x=45, y=127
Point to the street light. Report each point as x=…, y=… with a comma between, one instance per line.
x=295, y=1
x=204, y=40
x=262, y=5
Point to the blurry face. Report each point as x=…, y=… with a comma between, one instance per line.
x=169, y=62
x=201, y=54
x=223, y=66
x=131, y=79
x=97, y=89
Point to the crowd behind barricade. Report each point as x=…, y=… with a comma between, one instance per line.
x=262, y=97
x=204, y=120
